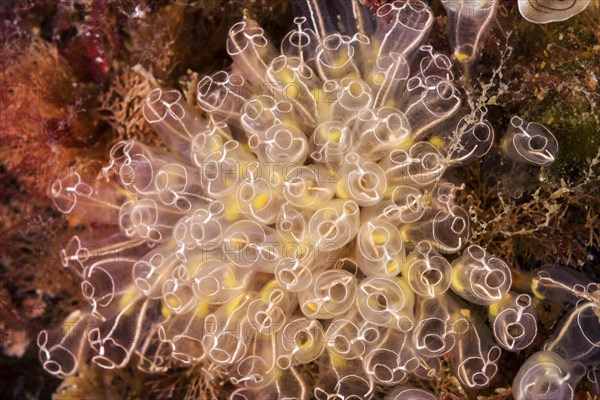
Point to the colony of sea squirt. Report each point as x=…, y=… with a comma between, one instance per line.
x=306, y=218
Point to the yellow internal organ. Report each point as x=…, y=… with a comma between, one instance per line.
x=260, y=201
x=379, y=237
